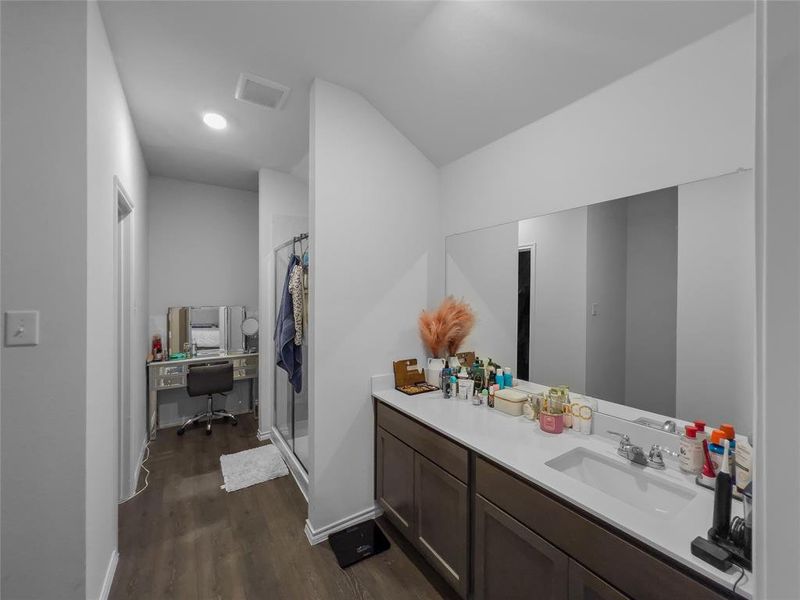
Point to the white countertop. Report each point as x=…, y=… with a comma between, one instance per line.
x=521, y=447
x=206, y=358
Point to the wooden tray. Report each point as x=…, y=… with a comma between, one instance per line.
x=409, y=378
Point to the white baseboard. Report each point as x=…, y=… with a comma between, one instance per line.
x=315, y=536
x=295, y=468
x=263, y=436
x=109, y=578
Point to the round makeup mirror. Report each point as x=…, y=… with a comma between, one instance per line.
x=250, y=326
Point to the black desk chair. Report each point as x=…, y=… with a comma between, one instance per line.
x=207, y=380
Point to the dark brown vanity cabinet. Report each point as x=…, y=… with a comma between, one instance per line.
x=511, y=561
x=421, y=484
x=585, y=585
x=395, y=481
x=523, y=542
x=442, y=521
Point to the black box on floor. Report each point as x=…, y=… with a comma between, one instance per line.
x=357, y=543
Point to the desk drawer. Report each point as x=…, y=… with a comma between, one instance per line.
x=632, y=570
x=245, y=373
x=249, y=362
x=448, y=455
x=165, y=382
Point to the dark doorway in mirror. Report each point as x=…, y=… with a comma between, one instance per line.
x=523, y=313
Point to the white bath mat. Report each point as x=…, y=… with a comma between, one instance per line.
x=250, y=467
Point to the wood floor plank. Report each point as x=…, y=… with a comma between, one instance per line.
x=185, y=538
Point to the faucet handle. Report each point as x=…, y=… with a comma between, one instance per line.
x=624, y=438
x=655, y=458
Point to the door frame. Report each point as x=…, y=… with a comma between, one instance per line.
x=123, y=208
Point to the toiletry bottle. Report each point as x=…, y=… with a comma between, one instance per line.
x=723, y=492
x=453, y=386
x=508, y=378
x=485, y=396
x=445, y=382
x=499, y=378
x=688, y=458
x=744, y=465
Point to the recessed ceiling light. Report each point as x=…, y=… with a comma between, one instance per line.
x=215, y=120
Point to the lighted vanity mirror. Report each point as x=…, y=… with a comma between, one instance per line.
x=211, y=329
x=646, y=301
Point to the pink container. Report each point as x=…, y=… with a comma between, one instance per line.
x=551, y=423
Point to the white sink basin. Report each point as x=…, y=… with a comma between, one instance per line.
x=635, y=485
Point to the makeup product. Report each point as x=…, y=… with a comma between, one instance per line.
x=723, y=496
x=586, y=413
x=551, y=423
x=707, y=475
x=744, y=465
x=691, y=453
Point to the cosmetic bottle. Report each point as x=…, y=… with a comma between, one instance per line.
x=499, y=378
x=723, y=495
x=744, y=465
x=453, y=387
x=508, y=378
x=445, y=382
x=691, y=452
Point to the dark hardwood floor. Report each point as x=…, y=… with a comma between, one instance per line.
x=186, y=538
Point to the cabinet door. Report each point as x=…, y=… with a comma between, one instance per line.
x=512, y=562
x=395, y=481
x=585, y=585
x=442, y=521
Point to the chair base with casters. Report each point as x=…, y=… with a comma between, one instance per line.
x=208, y=416
x=207, y=380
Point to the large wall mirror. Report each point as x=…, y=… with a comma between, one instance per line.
x=646, y=301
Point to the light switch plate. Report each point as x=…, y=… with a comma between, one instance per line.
x=22, y=327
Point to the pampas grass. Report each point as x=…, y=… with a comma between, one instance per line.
x=444, y=330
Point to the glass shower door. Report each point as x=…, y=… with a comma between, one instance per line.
x=291, y=410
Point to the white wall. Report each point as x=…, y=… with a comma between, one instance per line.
x=558, y=304
x=685, y=117
x=44, y=264
x=376, y=253
x=203, y=245
x=112, y=151
x=606, y=286
x=652, y=264
x=716, y=302
x=777, y=529
x=282, y=214
x=481, y=268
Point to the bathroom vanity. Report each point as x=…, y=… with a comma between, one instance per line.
x=503, y=510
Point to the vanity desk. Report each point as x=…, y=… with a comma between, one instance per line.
x=171, y=374
x=480, y=495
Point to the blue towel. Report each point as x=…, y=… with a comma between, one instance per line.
x=289, y=356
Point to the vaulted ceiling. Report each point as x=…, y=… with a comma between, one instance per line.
x=452, y=76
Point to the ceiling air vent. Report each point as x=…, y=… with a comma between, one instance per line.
x=260, y=91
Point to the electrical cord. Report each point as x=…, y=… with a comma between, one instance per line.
x=146, y=477
x=738, y=580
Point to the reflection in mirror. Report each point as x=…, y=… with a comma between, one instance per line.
x=646, y=301
x=206, y=330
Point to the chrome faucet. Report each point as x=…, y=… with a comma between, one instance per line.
x=636, y=454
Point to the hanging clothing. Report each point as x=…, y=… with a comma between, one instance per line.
x=288, y=355
x=296, y=290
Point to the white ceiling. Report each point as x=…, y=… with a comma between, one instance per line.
x=452, y=76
